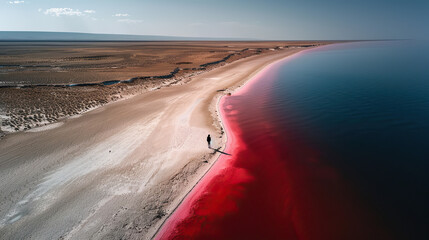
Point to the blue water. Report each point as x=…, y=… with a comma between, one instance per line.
x=364, y=108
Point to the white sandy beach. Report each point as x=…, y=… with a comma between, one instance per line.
x=120, y=170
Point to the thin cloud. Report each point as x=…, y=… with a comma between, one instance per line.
x=121, y=15
x=127, y=20
x=66, y=12
x=16, y=2
x=63, y=12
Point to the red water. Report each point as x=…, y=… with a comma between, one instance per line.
x=270, y=187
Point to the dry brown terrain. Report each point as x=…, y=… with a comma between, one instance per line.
x=88, y=62
x=35, y=76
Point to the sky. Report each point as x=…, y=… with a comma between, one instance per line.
x=255, y=19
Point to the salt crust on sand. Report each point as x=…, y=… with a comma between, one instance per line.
x=46, y=127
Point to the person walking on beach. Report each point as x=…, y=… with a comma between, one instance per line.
x=209, y=140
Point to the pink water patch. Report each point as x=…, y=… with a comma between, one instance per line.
x=270, y=187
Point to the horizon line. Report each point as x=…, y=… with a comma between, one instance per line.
x=193, y=38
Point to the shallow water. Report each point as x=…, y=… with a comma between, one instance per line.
x=329, y=144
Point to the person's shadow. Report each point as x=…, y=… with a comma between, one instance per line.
x=219, y=151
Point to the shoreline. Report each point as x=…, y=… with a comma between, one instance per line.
x=200, y=211
x=141, y=175
x=227, y=137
